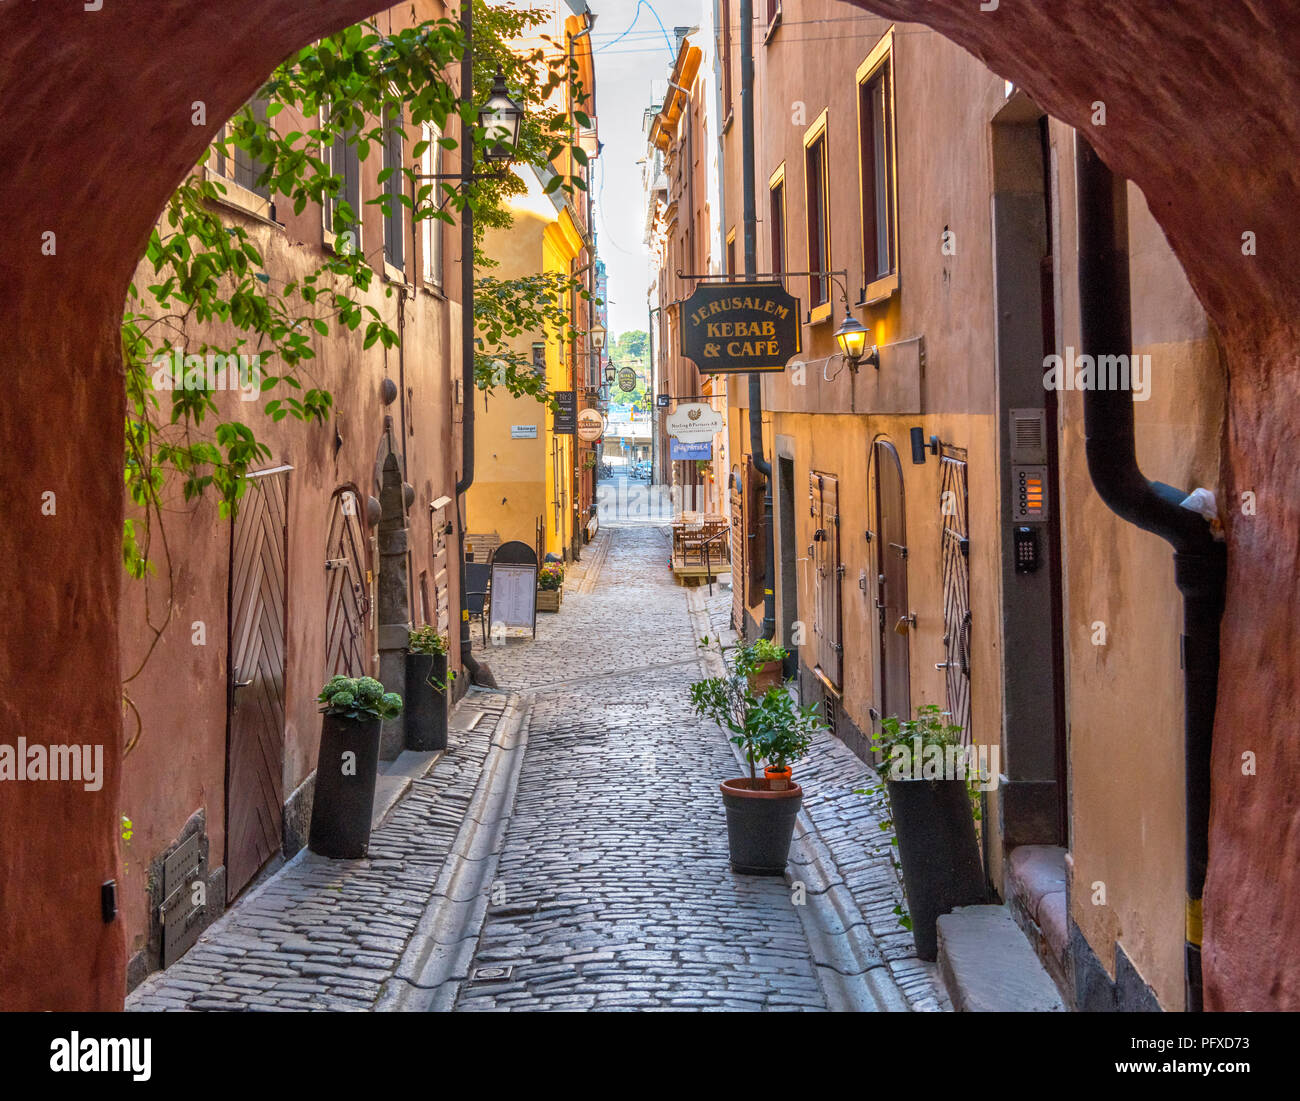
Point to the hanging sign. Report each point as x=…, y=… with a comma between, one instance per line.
x=627, y=380
x=730, y=327
x=591, y=425
x=694, y=422
x=566, y=417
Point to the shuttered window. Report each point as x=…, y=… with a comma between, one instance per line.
x=828, y=576
x=394, y=186
x=344, y=162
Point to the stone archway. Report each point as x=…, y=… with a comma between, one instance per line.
x=91, y=150
x=96, y=128
x=1202, y=110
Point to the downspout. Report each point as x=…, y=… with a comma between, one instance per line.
x=751, y=266
x=477, y=673
x=1200, y=561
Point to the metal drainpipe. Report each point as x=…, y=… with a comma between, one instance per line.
x=1200, y=561
x=476, y=672
x=751, y=266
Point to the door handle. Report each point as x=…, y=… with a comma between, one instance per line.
x=943, y=665
x=243, y=683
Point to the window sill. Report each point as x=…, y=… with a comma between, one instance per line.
x=241, y=199
x=433, y=290
x=880, y=291
x=394, y=274
x=819, y=314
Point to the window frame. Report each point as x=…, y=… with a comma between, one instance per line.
x=394, y=226
x=877, y=287
x=731, y=252
x=816, y=136
x=222, y=170
x=328, y=207
x=431, y=241
x=778, y=231
x=725, y=58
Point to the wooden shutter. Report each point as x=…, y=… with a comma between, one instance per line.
x=823, y=493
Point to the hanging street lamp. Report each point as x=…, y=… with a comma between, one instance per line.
x=500, y=118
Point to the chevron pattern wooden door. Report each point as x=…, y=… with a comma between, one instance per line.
x=348, y=601
x=255, y=738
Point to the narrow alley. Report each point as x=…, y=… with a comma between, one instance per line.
x=611, y=887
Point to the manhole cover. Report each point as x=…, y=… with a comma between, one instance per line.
x=496, y=973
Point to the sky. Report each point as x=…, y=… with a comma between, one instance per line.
x=625, y=70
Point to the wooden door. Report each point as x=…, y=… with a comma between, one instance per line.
x=255, y=735
x=956, y=586
x=823, y=491
x=890, y=537
x=347, y=589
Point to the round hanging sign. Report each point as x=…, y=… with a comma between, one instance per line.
x=627, y=380
x=591, y=425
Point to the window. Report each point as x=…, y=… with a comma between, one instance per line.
x=817, y=203
x=342, y=212
x=539, y=359
x=241, y=168
x=724, y=54
x=878, y=173
x=731, y=253
x=823, y=492
x=773, y=13
x=248, y=168
x=431, y=228
x=394, y=188
x=776, y=218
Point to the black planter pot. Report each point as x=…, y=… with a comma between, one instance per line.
x=345, y=787
x=425, y=707
x=760, y=824
x=939, y=854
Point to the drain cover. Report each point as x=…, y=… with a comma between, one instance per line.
x=495, y=973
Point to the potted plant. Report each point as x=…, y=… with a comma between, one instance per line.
x=932, y=786
x=348, y=763
x=767, y=658
x=550, y=587
x=427, y=682
x=761, y=812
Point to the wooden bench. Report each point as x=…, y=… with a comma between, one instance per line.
x=481, y=546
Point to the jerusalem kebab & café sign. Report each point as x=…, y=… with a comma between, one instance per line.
x=732, y=327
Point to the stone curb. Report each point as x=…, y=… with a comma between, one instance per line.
x=850, y=968
x=441, y=948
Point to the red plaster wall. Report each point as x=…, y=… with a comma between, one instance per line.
x=96, y=110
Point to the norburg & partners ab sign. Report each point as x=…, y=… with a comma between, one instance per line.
x=733, y=327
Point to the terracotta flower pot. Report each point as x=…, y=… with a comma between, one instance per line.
x=777, y=778
x=768, y=675
x=760, y=824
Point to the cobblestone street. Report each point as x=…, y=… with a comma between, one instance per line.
x=614, y=889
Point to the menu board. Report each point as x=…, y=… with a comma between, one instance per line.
x=514, y=595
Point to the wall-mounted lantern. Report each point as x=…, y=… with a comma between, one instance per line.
x=852, y=338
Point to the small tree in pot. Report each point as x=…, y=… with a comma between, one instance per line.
x=760, y=812
x=348, y=764
x=427, y=684
x=932, y=782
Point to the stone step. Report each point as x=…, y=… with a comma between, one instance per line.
x=989, y=966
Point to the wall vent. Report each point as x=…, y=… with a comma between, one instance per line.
x=1028, y=436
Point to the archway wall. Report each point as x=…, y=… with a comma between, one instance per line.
x=1202, y=103
x=97, y=131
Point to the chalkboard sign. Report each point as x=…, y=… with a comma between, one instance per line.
x=514, y=595
x=565, y=419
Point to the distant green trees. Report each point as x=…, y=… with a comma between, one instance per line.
x=630, y=349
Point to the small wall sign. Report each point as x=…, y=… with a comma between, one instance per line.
x=523, y=431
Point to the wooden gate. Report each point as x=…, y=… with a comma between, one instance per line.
x=255, y=733
x=956, y=586
x=347, y=588
x=890, y=538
